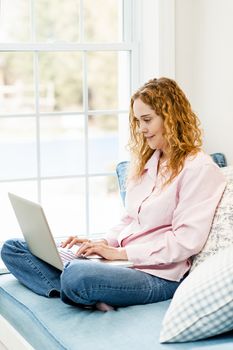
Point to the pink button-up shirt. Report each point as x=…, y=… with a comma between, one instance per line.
x=163, y=228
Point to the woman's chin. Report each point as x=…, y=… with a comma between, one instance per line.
x=152, y=145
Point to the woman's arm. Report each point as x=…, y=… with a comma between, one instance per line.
x=199, y=193
x=99, y=246
x=75, y=240
x=107, y=252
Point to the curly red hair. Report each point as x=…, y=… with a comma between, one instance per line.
x=181, y=126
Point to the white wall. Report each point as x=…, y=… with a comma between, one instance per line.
x=204, y=67
x=156, y=37
x=147, y=35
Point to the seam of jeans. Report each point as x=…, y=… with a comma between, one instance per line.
x=148, y=288
x=85, y=294
x=16, y=249
x=106, y=287
x=39, y=272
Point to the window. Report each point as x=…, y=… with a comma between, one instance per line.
x=65, y=85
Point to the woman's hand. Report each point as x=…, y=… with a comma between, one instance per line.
x=72, y=240
x=102, y=249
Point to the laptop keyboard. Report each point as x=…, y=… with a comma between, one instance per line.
x=69, y=254
x=66, y=254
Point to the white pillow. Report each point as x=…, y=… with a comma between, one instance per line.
x=221, y=232
x=202, y=305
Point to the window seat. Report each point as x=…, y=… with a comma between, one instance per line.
x=53, y=325
x=49, y=324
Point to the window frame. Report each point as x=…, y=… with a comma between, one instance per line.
x=129, y=44
x=149, y=36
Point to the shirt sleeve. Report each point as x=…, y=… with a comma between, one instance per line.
x=199, y=192
x=112, y=234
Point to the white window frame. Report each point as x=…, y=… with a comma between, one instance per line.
x=129, y=44
x=149, y=36
x=154, y=30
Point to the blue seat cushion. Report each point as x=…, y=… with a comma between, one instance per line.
x=50, y=324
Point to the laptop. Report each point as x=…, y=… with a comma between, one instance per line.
x=40, y=241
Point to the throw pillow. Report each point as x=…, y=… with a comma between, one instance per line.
x=221, y=232
x=202, y=305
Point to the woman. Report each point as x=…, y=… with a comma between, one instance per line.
x=172, y=193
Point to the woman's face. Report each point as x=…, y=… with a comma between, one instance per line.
x=150, y=124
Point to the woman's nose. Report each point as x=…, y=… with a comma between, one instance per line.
x=143, y=128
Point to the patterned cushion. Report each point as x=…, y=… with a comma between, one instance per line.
x=202, y=305
x=121, y=171
x=221, y=233
x=220, y=159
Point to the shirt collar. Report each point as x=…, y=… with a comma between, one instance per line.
x=152, y=164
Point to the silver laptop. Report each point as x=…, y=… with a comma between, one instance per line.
x=37, y=234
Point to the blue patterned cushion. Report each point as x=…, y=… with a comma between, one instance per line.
x=219, y=159
x=121, y=171
x=202, y=305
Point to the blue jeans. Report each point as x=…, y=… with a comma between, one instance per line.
x=85, y=282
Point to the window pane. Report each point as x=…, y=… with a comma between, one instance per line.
x=102, y=20
x=123, y=136
x=103, y=143
x=15, y=20
x=17, y=148
x=102, y=80
x=62, y=145
x=64, y=205
x=16, y=82
x=123, y=77
x=60, y=81
x=105, y=203
x=57, y=20
x=8, y=224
